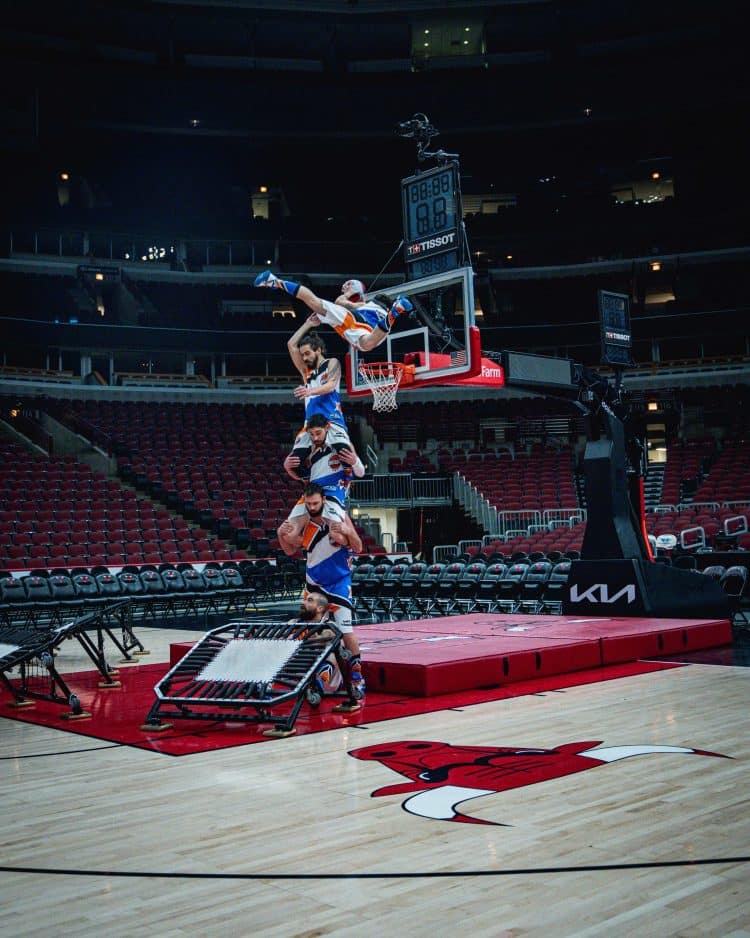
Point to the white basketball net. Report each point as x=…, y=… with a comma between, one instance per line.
x=383, y=379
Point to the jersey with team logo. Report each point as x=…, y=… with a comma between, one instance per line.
x=329, y=405
x=324, y=468
x=328, y=565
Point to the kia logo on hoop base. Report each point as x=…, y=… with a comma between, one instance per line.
x=605, y=587
x=600, y=593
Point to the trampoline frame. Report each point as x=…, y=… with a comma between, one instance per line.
x=40, y=643
x=182, y=694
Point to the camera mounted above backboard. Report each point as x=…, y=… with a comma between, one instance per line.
x=420, y=129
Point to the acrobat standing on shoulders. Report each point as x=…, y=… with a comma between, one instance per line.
x=320, y=388
x=330, y=468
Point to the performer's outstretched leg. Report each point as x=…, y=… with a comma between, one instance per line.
x=364, y=326
x=297, y=290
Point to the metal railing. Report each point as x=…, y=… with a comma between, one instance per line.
x=474, y=503
x=701, y=506
x=570, y=516
x=737, y=524
x=463, y=546
x=401, y=489
x=519, y=519
x=737, y=504
x=491, y=520
x=186, y=253
x=434, y=490
x=443, y=552
x=461, y=490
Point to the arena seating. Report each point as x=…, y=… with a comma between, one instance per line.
x=715, y=513
x=734, y=583
x=484, y=425
x=538, y=480
x=206, y=464
x=729, y=475
x=56, y=512
x=219, y=465
x=411, y=591
x=686, y=464
x=707, y=503
x=216, y=464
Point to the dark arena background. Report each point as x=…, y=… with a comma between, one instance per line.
x=547, y=560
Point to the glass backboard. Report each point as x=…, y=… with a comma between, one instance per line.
x=439, y=337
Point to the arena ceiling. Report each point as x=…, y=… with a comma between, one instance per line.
x=352, y=67
x=317, y=88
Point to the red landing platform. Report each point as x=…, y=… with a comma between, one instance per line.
x=427, y=657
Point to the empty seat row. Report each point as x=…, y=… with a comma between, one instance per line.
x=420, y=590
x=176, y=592
x=104, y=587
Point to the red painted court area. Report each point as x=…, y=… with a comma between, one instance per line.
x=117, y=714
x=413, y=667
x=427, y=657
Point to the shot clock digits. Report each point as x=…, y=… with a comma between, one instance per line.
x=430, y=203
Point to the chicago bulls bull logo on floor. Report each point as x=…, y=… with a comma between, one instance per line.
x=443, y=776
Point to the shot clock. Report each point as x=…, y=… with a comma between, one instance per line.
x=431, y=203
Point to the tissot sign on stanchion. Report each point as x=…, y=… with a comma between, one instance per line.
x=616, y=574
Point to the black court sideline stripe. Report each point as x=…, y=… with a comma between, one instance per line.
x=434, y=874
x=61, y=752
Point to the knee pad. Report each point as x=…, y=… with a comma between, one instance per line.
x=328, y=678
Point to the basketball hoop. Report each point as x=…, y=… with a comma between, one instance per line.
x=383, y=379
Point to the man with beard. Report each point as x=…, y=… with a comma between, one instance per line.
x=329, y=466
x=320, y=388
x=328, y=546
x=314, y=609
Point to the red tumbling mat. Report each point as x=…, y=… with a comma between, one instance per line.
x=117, y=713
x=424, y=657
x=439, y=656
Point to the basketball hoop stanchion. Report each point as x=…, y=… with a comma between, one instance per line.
x=383, y=380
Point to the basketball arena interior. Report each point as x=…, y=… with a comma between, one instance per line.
x=531, y=219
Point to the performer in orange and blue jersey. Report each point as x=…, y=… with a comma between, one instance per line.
x=328, y=465
x=329, y=547
x=320, y=390
x=362, y=323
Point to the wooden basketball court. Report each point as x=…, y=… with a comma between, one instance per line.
x=287, y=837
